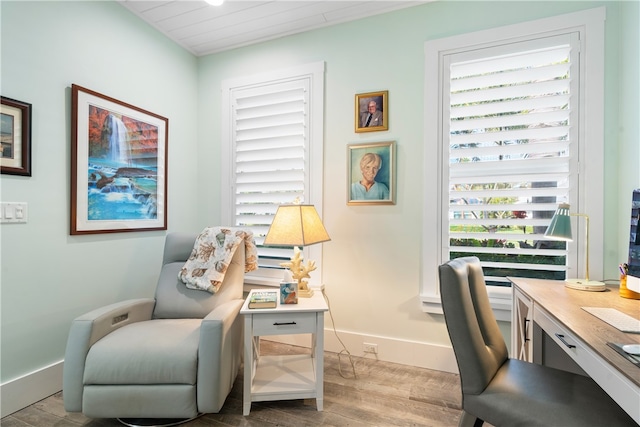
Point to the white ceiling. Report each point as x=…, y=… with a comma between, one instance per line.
x=203, y=29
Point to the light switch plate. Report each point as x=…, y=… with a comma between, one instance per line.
x=14, y=212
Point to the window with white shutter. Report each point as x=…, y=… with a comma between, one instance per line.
x=273, y=147
x=513, y=126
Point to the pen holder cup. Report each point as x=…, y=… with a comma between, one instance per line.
x=288, y=293
x=624, y=292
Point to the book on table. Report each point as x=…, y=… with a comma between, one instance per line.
x=263, y=299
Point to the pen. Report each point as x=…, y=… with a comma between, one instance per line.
x=623, y=269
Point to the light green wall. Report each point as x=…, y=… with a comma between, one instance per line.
x=49, y=277
x=372, y=263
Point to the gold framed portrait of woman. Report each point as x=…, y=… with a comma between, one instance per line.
x=371, y=173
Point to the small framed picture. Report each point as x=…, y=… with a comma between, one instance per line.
x=372, y=111
x=118, y=165
x=371, y=173
x=15, y=126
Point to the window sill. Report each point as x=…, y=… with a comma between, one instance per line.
x=499, y=297
x=260, y=282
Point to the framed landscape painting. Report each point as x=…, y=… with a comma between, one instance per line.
x=118, y=165
x=15, y=130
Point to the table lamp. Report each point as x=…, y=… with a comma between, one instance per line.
x=560, y=229
x=297, y=225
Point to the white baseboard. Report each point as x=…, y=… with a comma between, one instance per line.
x=30, y=388
x=422, y=355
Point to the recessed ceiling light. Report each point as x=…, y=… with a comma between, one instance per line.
x=215, y=2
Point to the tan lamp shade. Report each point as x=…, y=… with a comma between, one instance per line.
x=296, y=225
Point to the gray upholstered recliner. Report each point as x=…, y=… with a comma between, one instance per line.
x=174, y=356
x=504, y=391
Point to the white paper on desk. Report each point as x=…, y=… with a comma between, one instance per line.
x=633, y=283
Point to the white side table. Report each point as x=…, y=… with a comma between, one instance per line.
x=290, y=376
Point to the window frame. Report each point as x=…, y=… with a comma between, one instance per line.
x=313, y=193
x=590, y=26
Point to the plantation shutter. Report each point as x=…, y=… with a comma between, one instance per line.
x=511, y=155
x=270, y=147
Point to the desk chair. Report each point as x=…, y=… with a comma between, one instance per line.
x=163, y=360
x=510, y=392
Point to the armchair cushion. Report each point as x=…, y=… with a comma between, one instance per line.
x=174, y=300
x=138, y=353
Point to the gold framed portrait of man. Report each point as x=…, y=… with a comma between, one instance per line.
x=372, y=111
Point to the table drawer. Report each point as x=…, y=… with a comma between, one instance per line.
x=568, y=342
x=284, y=323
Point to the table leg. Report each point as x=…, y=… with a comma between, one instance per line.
x=248, y=365
x=318, y=344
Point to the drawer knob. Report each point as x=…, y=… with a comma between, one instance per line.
x=284, y=323
x=561, y=338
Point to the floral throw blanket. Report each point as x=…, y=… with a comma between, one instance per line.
x=211, y=255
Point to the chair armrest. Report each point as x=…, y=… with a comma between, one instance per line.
x=85, y=331
x=219, y=354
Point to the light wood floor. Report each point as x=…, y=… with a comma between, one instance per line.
x=383, y=394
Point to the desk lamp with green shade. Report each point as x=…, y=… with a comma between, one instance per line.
x=297, y=225
x=560, y=229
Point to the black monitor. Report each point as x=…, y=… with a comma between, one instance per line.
x=633, y=273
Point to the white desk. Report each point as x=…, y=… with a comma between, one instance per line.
x=582, y=336
x=290, y=376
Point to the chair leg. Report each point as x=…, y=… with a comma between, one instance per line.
x=468, y=420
